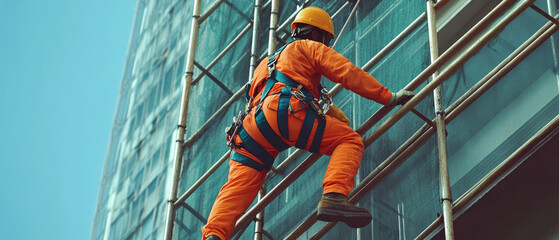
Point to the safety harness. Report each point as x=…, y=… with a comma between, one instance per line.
x=284, y=108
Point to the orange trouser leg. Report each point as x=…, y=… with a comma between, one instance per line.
x=346, y=149
x=233, y=200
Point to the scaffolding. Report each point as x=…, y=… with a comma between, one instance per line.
x=440, y=69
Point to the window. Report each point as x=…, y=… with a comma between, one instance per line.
x=147, y=227
x=180, y=72
x=167, y=81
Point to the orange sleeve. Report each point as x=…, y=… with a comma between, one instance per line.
x=339, y=69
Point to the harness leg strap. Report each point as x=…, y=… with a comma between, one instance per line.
x=283, y=112
x=306, y=129
x=267, y=131
x=315, y=146
x=256, y=149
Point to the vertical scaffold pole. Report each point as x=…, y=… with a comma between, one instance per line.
x=255, y=39
x=446, y=196
x=552, y=10
x=259, y=223
x=181, y=130
x=273, y=27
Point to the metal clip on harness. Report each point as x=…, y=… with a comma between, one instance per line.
x=233, y=130
x=325, y=100
x=312, y=102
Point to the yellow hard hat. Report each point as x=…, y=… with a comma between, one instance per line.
x=316, y=17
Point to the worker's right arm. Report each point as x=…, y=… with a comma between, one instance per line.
x=339, y=69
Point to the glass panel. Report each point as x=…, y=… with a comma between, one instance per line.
x=135, y=212
x=147, y=227
x=162, y=213
x=167, y=81
x=116, y=227
x=100, y=220
x=180, y=72
x=151, y=101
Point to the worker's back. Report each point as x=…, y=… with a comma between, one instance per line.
x=305, y=61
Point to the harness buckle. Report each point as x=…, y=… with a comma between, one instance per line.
x=233, y=130
x=271, y=66
x=298, y=94
x=325, y=100
x=315, y=105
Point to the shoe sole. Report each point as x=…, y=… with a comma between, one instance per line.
x=354, y=220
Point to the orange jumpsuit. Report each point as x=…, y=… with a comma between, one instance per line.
x=304, y=61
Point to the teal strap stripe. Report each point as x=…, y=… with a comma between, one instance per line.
x=271, y=57
x=318, y=135
x=256, y=149
x=269, y=133
x=283, y=114
x=247, y=91
x=282, y=78
x=306, y=129
x=269, y=84
x=235, y=156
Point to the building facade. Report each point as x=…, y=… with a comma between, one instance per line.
x=498, y=65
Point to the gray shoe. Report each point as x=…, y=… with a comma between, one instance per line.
x=334, y=207
x=213, y=237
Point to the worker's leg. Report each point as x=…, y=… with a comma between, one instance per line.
x=338, y=140
x=346, y=149
x=233, y=200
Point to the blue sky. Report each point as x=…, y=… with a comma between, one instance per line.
x=61, y=64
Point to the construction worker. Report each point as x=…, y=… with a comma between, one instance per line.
x=284, y=111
